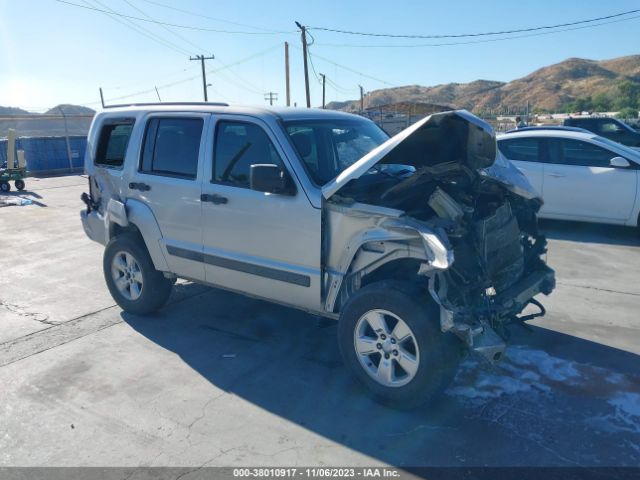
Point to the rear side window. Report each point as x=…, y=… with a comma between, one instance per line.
x=113, y=141
x=523, y=149
x=576, y=152
x=238, y=146
x=172, y=147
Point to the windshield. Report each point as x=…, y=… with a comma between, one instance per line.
x=625, y=126
x=327, y=147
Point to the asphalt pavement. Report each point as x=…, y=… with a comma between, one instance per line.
x=219, y=379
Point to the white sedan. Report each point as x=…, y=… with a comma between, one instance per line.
x=580, y=175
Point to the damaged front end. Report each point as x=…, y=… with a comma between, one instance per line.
x=467, y=218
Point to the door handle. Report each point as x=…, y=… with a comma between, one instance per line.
x=143, y=187
x=213, y=198
x=556, y=174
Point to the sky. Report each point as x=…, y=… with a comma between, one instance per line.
x=53, y=52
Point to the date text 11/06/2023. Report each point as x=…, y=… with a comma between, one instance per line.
x=317, y=472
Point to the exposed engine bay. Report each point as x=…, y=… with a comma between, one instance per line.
x=446, y=176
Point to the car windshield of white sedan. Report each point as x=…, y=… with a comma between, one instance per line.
x=327, y=147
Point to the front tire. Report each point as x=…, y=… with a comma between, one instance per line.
x=19, y=184
x=133, y=281
x=390, y=340
x=5, y=186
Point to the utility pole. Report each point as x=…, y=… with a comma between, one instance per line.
x=361, y=98
x=324, y=81
x=271, y=96
x=286, y=72
x=101, y=97
x=306, y=68
x=202, y=58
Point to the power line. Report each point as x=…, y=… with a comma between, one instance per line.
x=339, y=88
x=483, y=34
x=167, y=29
x=113, y=15
x=470, y=42
x=337, y=65
x=245, y=84
x=202, y=15
x=142, y=31
x=161, y=77
x=349, y=69
x=313, y=68
x=248, y=86
x=250, y=57
x=184, y=80
x=175, y=25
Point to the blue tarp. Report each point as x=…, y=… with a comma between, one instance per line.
x=48, y=154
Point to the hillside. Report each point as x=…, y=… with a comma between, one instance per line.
x=50, y=123
x=70, y=110
x=12, y=111
x=547, y=88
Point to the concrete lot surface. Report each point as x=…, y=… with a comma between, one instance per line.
x=218, y=379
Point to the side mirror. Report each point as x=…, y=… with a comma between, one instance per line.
x=619, y=162
x=269, y=178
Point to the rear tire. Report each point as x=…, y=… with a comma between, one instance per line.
x=133, y=281
x=19, y=184
x=5, y=186
x=400, y=373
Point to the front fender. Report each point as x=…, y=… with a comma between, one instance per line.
x=389, y=240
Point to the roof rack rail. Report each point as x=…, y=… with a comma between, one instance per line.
x=192, y=104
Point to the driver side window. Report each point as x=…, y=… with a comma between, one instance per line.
x=238, y=145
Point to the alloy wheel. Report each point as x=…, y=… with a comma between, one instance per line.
x=127, y=275
x=386, y=348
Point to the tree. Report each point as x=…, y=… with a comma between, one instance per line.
x=628, y=95
x=580, y=105
x=628, y=112
x=601, y=103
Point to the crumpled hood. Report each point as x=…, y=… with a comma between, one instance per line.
x=448, y=136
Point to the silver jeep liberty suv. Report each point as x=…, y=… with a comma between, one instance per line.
x=418, y=245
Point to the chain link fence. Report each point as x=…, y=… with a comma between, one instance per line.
x=52, y=144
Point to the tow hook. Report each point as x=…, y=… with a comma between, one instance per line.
x=86, y=199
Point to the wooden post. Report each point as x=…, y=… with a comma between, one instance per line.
x=11, y=148
x=303, y=34
x=286, y=72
